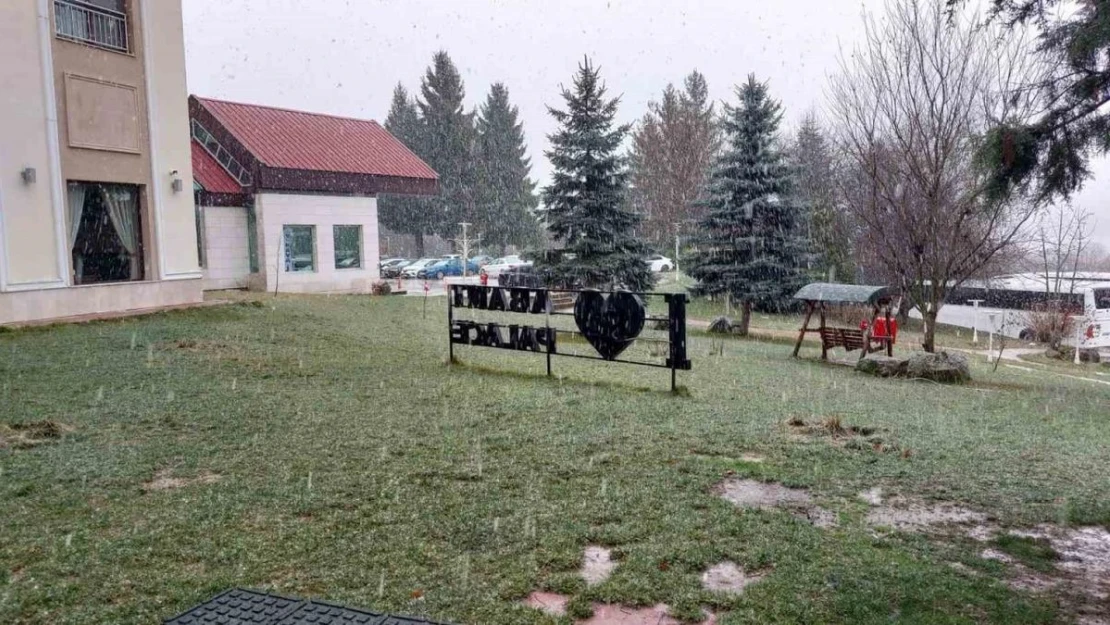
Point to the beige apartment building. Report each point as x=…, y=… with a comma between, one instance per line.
x=96, y=202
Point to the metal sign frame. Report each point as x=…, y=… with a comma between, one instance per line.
x=544, y=339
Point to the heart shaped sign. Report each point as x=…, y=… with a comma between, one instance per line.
x=610, y=323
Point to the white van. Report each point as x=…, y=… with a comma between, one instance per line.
x=1095, y=326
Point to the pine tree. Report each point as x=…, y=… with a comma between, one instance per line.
x=752, y=246
x=585, y=202
x=401, y=214
x=827, y=226
x=507, y=198
x=672, y=153
x=447, y=144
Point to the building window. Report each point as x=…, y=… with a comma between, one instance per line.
x=198, y=211
x=99, y=23
x=105, y=232
x=252, y=237
x=222, y=156
x=300, y=248
x=348, y=246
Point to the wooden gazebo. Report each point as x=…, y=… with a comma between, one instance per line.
x=819, y=295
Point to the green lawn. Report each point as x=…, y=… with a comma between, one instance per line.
x=339, y=457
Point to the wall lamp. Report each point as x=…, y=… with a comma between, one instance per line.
x=29, y=175
x=176, y=185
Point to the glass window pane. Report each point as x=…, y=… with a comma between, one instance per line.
x=252, y=239
x=300, y=248
x=348, y=246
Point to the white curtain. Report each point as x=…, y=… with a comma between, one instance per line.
x=123, y=209
x=75, y=204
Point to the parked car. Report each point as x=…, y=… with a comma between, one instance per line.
x=414, y=268
x=394, y=269
x=444, y=268
x=385, y=262
x=660, y=263
x=522, y=276
x=481, y=260
x=500, y=265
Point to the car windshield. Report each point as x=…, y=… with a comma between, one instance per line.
x=1102, y=299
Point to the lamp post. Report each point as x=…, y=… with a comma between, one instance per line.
x=990, y=342
x=677, y=225
x=1078, y=342
x=465, y=242
x=975, y=321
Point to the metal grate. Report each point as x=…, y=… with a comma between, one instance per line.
x=90, y=24
x=249, y=607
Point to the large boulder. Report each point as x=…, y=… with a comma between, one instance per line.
x=882, y=366
x=947, y=367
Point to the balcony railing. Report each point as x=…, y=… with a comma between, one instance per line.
x=90, y=24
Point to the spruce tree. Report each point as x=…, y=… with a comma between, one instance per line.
x=585, y=202
x=401, y=214
x=447, y=144
x=507, y=199
x=752, y=247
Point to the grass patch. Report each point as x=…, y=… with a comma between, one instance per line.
x=320, y=447
x=1035, y=553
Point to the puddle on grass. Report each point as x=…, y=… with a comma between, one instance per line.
x=164, y=481
x=597, y=565
x=907, y=515
x=728, y=578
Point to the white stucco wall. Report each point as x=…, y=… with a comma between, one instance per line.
x=30, y=232
x=322, y=211
x=168, y=103
x=35, y=276
x=227, y=261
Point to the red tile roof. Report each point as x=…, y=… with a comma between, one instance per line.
x=210, y=174
x=281, y=138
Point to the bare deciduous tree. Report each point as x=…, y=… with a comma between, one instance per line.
x=1062, y=239
x=910, y=108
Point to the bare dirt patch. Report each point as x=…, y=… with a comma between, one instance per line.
x=835, y=432
x=745, y=457
x=762, y=495
x=728, y=578
x=915, y=516
x=872, y=496
x=597, y=565
x=1084, y=558
x=753, y=494
x=820, y=517
x=548, y=603
x=163, y=480
x=32, y=434
x=609, y=613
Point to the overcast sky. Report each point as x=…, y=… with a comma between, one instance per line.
x=344, y=56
